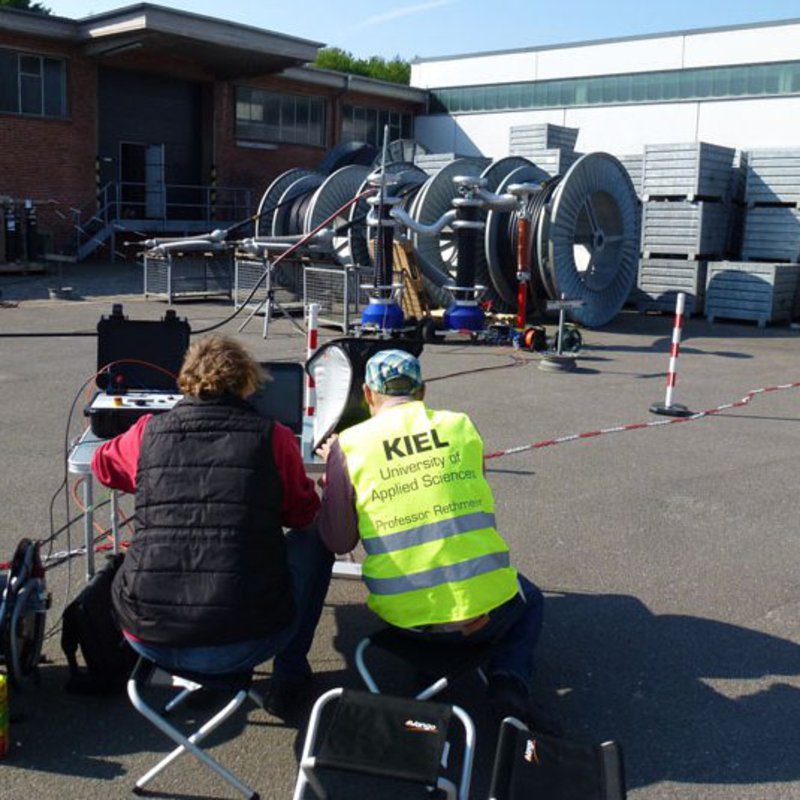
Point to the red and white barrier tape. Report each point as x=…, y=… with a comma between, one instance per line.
x=574, y=437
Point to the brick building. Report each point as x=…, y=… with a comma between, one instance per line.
x=151, y=119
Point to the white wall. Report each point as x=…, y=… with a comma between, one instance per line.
x=624, y=130
x=640, y=55
x=742, y=46
x=507, y=68
x=768, y=122
x=754, y=45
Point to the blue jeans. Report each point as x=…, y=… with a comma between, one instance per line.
x=310, y=567
x=514, y=627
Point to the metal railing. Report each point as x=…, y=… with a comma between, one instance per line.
x=139, y=206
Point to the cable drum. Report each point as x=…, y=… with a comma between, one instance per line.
x=332, y=194
x=271, y=198
x=409, y=180
x=288, y=220
x=593, y=238
x=500, y=238
x=402, y=150
x=495, y=174
x=584, y=239
x=289, y=217
x=438, y=254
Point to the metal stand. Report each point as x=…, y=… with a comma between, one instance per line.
x=559, y=361
x=270, y=305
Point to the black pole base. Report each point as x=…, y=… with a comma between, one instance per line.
x=674, y=410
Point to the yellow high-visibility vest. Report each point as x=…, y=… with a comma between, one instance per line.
x=426, y=517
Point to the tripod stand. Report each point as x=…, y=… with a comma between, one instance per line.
x=269, y=303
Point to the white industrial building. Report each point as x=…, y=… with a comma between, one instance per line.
x=736, y=86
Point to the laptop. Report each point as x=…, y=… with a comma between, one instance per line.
x=281, y=398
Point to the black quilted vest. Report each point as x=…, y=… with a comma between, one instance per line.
x=207, y=565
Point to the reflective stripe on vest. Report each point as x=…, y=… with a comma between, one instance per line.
x=426, y=517
x=427, y=533
x=461, y=571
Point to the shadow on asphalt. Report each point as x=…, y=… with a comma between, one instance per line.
x=691, y=700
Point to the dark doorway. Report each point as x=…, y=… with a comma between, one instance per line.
x=141, y=175
x=151, y=141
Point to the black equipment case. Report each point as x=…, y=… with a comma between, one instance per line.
x=137, y=366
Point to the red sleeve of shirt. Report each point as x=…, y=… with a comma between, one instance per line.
x=300, y=501
x=115, y=462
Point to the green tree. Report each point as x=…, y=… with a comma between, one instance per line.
x=25, y=5
x=395, y=69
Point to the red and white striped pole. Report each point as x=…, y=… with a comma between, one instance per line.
x=669, y=408
x=311, y=388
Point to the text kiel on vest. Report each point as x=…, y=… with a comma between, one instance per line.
x=408, y=445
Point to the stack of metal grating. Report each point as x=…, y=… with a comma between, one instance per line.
x=689, y=192
x=634, y=164
x=550, y=147
x=763, y=287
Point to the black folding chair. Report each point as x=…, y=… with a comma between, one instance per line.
x=443, y=662
x=530, y=765
x=385, y=737
x=235, y=686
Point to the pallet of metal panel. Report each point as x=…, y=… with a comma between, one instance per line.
x=739, y=176
x=433, y=162
x=773, y=176
x=634, y=164
x=759, y=292
x=771, y=233
x=678, y=227
x=554, y=161
x=660, y=280
x=693, y=171
x=542, y=136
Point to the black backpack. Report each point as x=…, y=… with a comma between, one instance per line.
x=89, y=624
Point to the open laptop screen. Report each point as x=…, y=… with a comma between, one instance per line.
x=282, y=397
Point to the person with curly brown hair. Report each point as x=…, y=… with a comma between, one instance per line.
x=210, y=583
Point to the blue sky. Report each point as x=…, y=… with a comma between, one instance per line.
x=429, y=28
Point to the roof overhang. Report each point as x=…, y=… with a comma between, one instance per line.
x=343, y=82
x=225, y=49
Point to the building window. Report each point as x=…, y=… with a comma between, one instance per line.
x=360, y=124
x=263, y=116
x=708, y=83
x=33, y=85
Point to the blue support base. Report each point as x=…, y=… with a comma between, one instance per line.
x=464, y=318
x=382, y=313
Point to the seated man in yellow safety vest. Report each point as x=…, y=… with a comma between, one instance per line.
x=409, y=484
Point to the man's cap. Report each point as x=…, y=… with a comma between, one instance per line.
x=393, y=372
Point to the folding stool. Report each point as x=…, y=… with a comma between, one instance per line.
x=236, y=685
x=446, y=661
x=534, y=765
x=386, y=738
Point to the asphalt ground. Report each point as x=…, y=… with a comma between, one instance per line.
x=669, y=555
